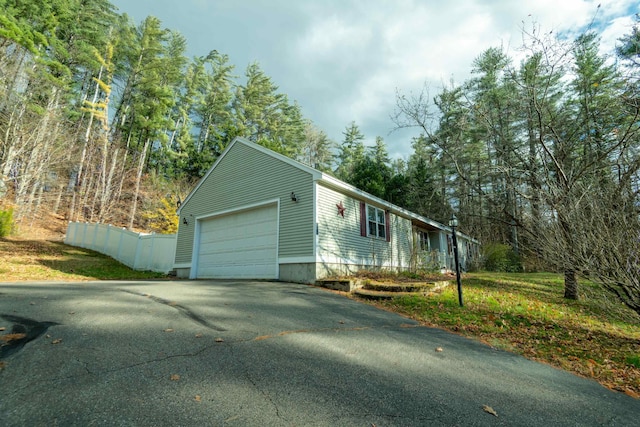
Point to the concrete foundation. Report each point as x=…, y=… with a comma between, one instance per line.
x=308, y=273
x=182, y=273
x=298, y=273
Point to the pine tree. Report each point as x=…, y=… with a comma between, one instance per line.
x=317, y=149
x=265, y=116
x=351, y=151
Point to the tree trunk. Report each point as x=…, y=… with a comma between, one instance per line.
x=56, y=205
x=79, y=186
x=570, y=284
x=38, y=202
x=107, y=192
x=141, y=164
x=84, y=209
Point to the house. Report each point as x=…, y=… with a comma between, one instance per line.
x=257, y=214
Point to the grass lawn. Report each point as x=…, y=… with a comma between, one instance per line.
x=43, y=260
x=595, y=337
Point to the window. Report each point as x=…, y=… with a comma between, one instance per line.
x=376, y=222
x=423, y=241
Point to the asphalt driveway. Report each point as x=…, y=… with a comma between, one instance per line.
x=257, y=353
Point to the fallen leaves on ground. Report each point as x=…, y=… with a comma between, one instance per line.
x=174, y=377
x=56, y=341
x=198, y=398
x=489, y=410
x=408, y=325
x=12, y=337
x=632, y=393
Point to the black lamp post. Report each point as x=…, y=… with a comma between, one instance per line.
x=453, y=223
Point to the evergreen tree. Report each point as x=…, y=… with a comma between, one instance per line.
x=494, y=114
x=371, y=172
x=629, y=49
x=351, y=151
x=265, y=116
x=317, y=149
x=426, y=195
x=153, y=65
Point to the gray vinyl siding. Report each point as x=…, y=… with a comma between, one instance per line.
x=339, y=238
x=246, y=176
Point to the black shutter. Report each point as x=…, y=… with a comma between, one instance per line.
x=387, y=224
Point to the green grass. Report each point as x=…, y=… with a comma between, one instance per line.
x=596, y=336
x=634, y=361
x=41, y=260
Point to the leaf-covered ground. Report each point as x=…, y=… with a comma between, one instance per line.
x=43, y=260
x=596, y=337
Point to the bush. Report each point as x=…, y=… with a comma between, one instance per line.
x=429, y=262
x=474, y=264
x=501, y=258
x=162, y=219
x=6, y=222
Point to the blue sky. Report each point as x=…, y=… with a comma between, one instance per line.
x=344, y=60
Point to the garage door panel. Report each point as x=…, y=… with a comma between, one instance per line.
x=212, y=226
x=240, y=245
x=232, y=258
x=257, y=271
x=247, y=244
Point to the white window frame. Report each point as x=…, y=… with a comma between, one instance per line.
x=424, y=241
x=378, y=214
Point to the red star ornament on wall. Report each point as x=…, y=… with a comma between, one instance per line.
x=341, y=209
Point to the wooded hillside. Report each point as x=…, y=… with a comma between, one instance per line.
x=103, y=119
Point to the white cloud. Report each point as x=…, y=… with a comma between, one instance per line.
x=342, y=60
x=332, y=37
x=617, y=28
x=417, y=42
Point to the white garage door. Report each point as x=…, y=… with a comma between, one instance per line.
x=240, y=245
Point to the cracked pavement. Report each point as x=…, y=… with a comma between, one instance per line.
x=195, y=353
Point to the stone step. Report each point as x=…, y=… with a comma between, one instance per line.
x=378, y=291
x=380, y=295
x=353, y=285
x=345, y=285
x=406, y=287
x=401, y=287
